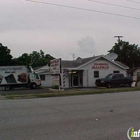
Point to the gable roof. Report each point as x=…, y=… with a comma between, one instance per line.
x=76, y=63
x=121, y=64
x=42, y=69
x=82, y=62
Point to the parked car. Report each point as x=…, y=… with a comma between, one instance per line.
x=114, y=79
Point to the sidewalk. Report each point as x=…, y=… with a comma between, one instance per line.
x=72, y=89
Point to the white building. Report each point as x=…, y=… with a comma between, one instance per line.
x=45, y=75
x=84, y=72
x=81, y=72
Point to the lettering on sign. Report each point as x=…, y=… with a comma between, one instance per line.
x=55, y=80
x=55, y=66
x=100, y=66
x=10, y=69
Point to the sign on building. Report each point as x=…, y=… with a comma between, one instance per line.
x=99, y=66
x=55, y=66
x=55, y=80
x=55, y=69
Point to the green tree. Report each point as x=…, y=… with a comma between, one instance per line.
x=40, y=59
x=49, y=57
x=42, y=53
x=129, y=54
x=5, y=56
x=40, y=62
x=35, y=56
x=24, y=59
x=35, y=59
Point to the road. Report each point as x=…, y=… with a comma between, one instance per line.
x=87, y=117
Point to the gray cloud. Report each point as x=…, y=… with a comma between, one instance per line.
x=87, y=44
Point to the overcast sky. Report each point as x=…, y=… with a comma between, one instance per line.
x=61, y=31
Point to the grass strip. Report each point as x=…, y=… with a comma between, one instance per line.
x=71, y=93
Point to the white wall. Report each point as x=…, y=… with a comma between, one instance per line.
x=47, y=82
x=136, y=72
x=66, y=80
x=85, y=78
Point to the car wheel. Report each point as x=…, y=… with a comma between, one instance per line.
x=108, y=85
x=130, y=84
x=33, y=86
x=7, y=88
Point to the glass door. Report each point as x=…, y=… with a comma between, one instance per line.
x=75, y=79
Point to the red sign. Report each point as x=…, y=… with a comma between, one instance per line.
x=100, y=66
x=55, y=66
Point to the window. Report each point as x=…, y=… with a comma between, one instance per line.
x=42, y=77
x=116, y=71
x=35, y=76
x=96, y=74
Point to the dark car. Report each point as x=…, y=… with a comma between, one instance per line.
x=114, y=79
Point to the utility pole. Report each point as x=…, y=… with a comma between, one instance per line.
x=121, y=47
x=118, y=37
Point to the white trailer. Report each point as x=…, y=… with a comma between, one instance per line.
x=18, y=76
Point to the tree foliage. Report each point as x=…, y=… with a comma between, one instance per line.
x=24, y=59
x=40, y=59
x=129, y=54
x=34, y=59
x=5, y=56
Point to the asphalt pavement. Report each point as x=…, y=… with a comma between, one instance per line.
x=87, y=117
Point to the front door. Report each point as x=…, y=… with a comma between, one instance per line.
x=75, y=79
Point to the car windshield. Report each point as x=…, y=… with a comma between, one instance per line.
x=109, y=76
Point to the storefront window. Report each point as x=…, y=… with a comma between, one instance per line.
x=116, y=71
x=96, y=74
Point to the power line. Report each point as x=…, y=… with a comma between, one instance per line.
x=84, y=9
x=133, y=1
x=114, y=5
